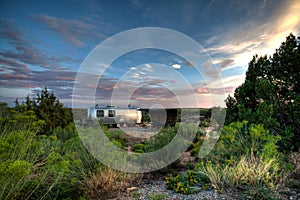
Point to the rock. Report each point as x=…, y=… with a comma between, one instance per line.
x=131, y=189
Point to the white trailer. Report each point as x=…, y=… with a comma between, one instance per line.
x=119, y=116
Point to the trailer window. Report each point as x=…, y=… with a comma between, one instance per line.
x=100, y=113
x=111, y=113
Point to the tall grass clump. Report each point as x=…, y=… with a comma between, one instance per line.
x=246, y=154
x=107, y=183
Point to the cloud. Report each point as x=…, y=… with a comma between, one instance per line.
x=255, y=36
x=14, y=65
x=202, y=90
x=176, y=66
x=210, y=70
x=23, y=50
x=136, y=75
x=225, y=63
x=232, y=81
x=188, y=64
x=147, y=68
x=72, y=30
x=14, y=93
x=26, y=67
x=61, y=82
x=136, y=4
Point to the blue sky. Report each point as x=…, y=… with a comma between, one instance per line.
x=45, y=43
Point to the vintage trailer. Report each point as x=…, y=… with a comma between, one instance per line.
x=111, y=115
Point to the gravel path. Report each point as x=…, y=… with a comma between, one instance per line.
x=144, y=191
x=158, y=187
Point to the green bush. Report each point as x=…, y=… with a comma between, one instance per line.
x=138, y=148
x=117, y=137
x=41, y=166
x=204, y=124
x=186, y=183
x=241, y=138
x=161, y=139
x=246, y=154
x=15, y=170
x=66, y=133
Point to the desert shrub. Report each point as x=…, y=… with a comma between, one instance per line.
x=204, y=123
x=138, y=148
x=19, y=165
x=160, y=140
x=241, y=138
x=246, y=154
x=117, y=137
x=40, y=166
x=15, y=169
x=107, y=183
x=14, y=121
x=164, y=137
x=186, y=183
x=249, y=171
x=75, y=151
x=66, y=133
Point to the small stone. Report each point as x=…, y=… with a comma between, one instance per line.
x=131, y=189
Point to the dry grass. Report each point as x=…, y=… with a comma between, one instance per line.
x=251, y=171
x=218, y=176
x=108, y=183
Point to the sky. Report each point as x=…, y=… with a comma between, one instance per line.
x=52, y=43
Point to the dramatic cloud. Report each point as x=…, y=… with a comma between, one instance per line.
x=23, y=50
x=25, y=67
x=256, y=36
x=41, y=47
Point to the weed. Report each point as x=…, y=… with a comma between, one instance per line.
x=259, y=193
x=157, y=196
x=135, y=194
